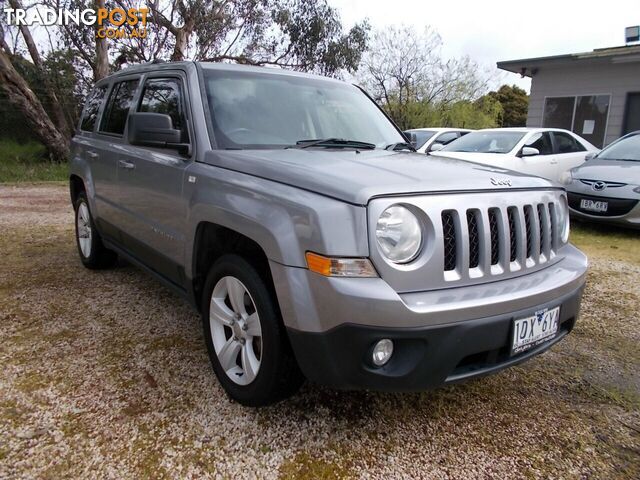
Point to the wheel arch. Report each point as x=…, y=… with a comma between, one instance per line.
x=211, y=242
x=76, y=186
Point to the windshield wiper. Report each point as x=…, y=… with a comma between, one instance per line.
x=400, y=146
x=334, y=142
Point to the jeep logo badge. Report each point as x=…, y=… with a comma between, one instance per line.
x=505, y=182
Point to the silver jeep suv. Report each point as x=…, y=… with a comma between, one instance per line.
x=292, y=212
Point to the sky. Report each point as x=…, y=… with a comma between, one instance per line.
x=490, y=30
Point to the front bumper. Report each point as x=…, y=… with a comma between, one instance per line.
x=440, y=336
x=423, y=357
x=625, y=211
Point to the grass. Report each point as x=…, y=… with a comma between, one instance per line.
x=606, y=240
x=27, y=162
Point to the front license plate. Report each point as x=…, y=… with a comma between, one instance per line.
x=531, y=331
x=593, y=205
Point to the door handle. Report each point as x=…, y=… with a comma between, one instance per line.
x=554, y=162
x=126, y=165
x=92, y=154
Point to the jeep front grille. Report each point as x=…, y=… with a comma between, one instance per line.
x=499, y=239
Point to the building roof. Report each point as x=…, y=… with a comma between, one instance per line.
x=529, y=66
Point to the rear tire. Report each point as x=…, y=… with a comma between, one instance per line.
x=245, y=337
x=93, y=253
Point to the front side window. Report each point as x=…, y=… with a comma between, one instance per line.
x=565, y=143
x=542, y=142
x=446, y=138
x=421, y=136
x=272, y=110
x=164, y=96
x=485, y=142
x=91, y=109
x=117, y=109
x=625, y=149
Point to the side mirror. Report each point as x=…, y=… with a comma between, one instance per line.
x=154, y=130
x=435, y=147
x=529, y=152
x=590, y=156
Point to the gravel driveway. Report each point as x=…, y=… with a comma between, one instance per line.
x=105, y=375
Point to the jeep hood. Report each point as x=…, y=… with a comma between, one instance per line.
x=356, y=177
x=622, y=171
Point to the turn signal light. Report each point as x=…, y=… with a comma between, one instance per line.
x=340, y=267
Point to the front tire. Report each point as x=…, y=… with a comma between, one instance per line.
x=245, y=338
x=93, y=253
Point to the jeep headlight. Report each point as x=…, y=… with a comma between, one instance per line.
x=399, y=234
x=563, y=219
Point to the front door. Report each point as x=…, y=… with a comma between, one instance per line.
x=543, y=164
x=150, y=182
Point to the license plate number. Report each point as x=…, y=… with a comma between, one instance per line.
x=594, y=205
x=531, y=331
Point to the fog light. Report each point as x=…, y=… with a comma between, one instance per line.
x=382, y=352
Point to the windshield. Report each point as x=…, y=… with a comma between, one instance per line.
x=422, y=136
x=485, y=142
x=626, y=149
x=271, y=110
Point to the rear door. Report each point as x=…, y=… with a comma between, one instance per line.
x=568, y=152
x=102, y=170
x=544, y=164
x=105, y=150
x=150, y=182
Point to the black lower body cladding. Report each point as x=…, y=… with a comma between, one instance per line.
x=423, y=358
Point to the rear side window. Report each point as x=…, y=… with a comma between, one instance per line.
x=565, y=143
x=91, y=109
x=117, y=110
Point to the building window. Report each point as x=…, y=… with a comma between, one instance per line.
x=585, y=115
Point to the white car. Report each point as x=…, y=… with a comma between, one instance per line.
x=433, y=139
x=546, y=152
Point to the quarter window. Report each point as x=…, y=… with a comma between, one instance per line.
x=117, y=110
x=565, y=143
x=91, y=109
x=164, y=96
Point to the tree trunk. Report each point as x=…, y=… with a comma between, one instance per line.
x=21, y=97
x=58, y=114
x=101, y=66
x=182, y=40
